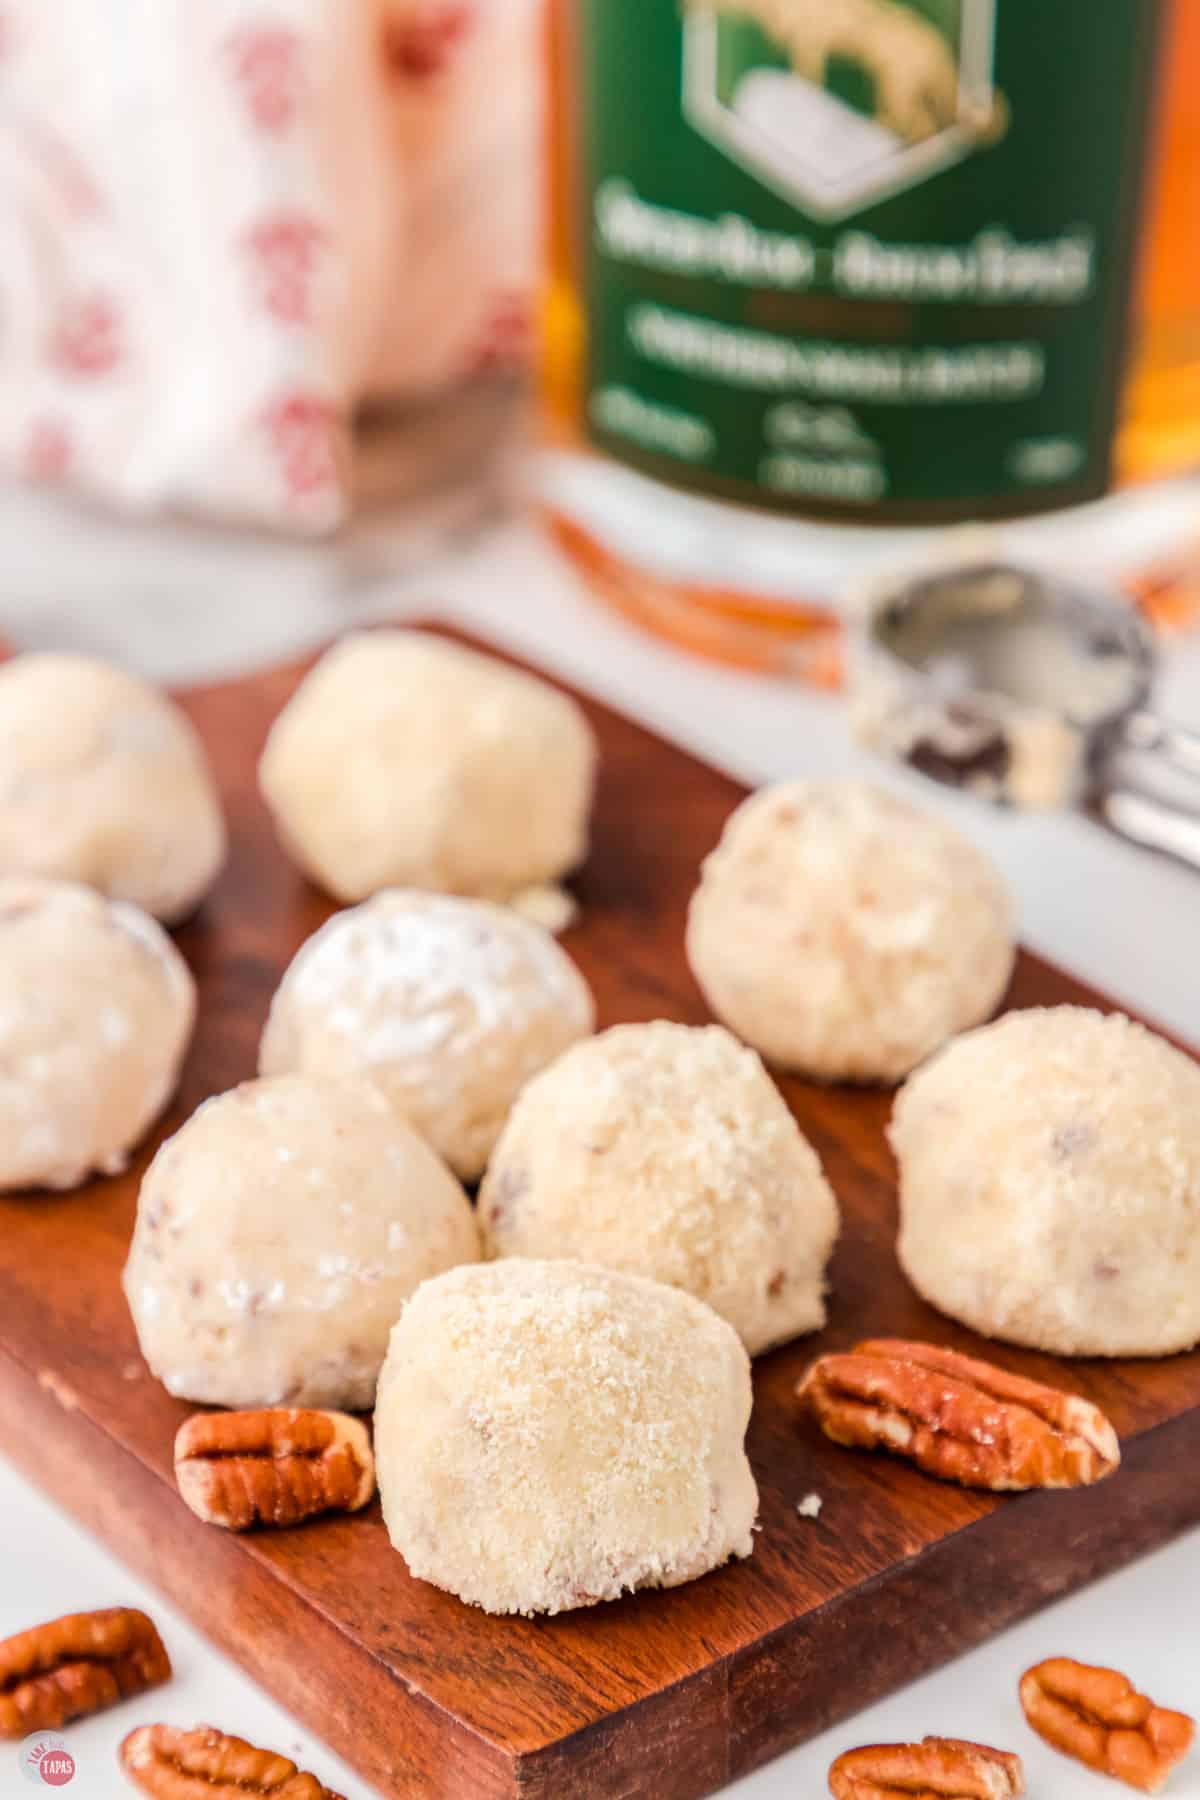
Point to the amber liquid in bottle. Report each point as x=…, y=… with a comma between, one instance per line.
x=1158, y=435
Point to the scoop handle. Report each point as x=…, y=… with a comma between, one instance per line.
x=1148, y=735
x=1152, y=823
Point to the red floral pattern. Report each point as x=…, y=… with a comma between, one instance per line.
x=86, y=340
x=65, y=169
x=304, y=433
x=268, y=65
x=285, y=413
x=284, y=250
x=48, y=451
x=506, y=340
x=423, y=45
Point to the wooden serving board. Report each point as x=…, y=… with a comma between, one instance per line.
x=664, y=1694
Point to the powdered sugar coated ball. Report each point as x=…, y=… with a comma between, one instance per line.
x=845, y=933
x=448, y=1005
x=406, y=761
x=668, y=1151
x=549, y=1435
x=1050, y=1184
x=105, y=782
x=278, y=1235
x=96, y=1013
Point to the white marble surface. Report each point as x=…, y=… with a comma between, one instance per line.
x=187, y=605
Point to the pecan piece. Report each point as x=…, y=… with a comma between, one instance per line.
x=75, y=1665
x=274, y=1467
x=205, y=1764
x=959, y=1419
x=935, y=1769
x=1098, y=1717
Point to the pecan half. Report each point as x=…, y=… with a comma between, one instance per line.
x=205, y=1764
x=274, y=1467
x=935, y=1769
x=76, y=1665
x=959, y=1419
x=1098, y=1717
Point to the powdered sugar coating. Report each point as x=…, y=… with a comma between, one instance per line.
x=250, y=1283
x=96, y=1013
x=667, y=1151
x=448, y=1005
x=403, y=760
x=549, y=1435
x=106, y=783
x=846, y=933
x=1050, y=1184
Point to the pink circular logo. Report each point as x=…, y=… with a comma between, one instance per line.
x=46, y=1761
x=57, y=1767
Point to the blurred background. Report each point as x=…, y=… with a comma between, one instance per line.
x=733, y=305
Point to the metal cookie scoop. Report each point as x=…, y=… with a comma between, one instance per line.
x=1030, y=692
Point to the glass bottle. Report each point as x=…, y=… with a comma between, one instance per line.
x=827, y=276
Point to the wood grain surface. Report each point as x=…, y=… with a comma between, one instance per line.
x=669, y=1695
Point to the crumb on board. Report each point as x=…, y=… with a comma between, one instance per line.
x=553, y=908
x=810, y=1506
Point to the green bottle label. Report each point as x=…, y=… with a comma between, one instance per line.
x=862, y=254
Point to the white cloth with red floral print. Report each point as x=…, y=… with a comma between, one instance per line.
x=224, y=226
